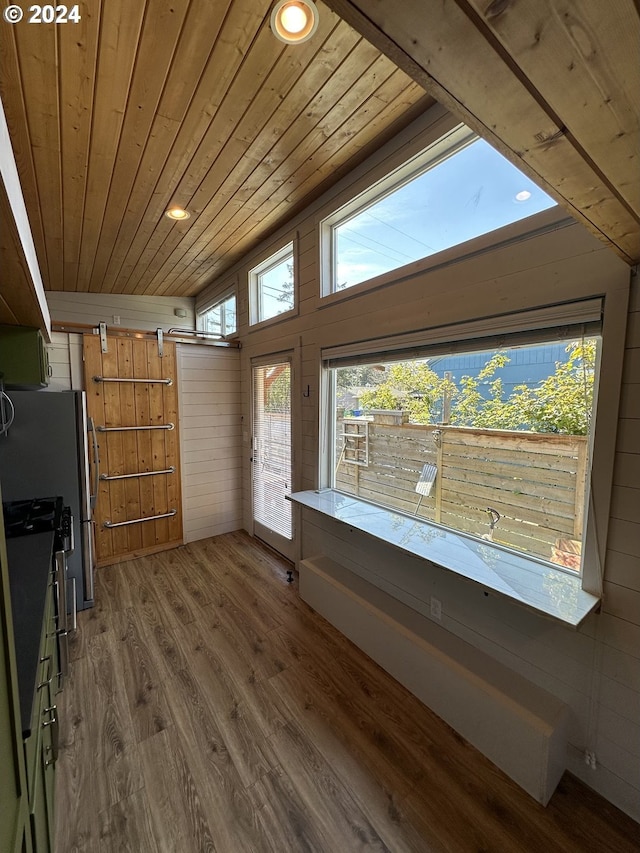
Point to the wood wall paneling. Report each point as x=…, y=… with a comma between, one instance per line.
x=125, y=452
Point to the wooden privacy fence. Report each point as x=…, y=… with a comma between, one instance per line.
x=535, y=481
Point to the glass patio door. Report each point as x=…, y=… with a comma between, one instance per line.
x=271, y=469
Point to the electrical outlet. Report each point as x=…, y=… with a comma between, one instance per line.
x=590, y=759
x=116, y=319
x=436, y=608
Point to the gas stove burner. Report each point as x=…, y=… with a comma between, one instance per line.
x=38, y=515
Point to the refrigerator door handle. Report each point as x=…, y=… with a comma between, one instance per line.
x=96, y=464
x=88, y=559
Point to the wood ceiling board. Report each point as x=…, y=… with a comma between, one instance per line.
x=158, y=41
x=156, y=187
x=444, y=51
x=241, y=172
x=152, y=113
x=120, y=27
x=236, y=224
x=141, y=106
x=18, y=302
x=320, y=157
x=78, y=51
x=38, y=59
x=251, y=74
x=272, y=145
x=561, y=48
x=11, y=95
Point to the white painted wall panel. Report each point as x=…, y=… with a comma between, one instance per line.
x=59, y=362
x=210, y=438
x=135, y=312
x=562, y=265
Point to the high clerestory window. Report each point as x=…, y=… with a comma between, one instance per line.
x=458, y=189
x=220, y=318
x=271, y=286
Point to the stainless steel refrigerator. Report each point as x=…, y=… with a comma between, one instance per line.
x=45, y=453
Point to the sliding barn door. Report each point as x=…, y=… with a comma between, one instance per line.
x=271, y=456
x=133, y=400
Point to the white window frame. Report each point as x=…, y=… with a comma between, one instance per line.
x=604, y=423
x=220, y=301
x=273, y=260
x=444, y=146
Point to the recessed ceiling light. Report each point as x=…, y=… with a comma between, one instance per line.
x=523, y=195
x=177, y=213
x=294, y=21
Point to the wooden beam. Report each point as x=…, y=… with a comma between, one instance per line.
x=22, y=298
x=537, y=80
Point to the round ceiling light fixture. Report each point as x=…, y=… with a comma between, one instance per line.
x=523, y=195
x=294, y=21
x=177, y=213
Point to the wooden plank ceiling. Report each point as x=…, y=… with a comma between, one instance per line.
x=146, y=104
x=552, y=84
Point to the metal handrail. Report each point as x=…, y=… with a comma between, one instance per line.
x=127, y=428
x=110, y=524
x=118, y=379
x=170, y=470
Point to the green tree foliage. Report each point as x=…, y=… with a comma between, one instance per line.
x=359, y=377
x=404, y=379
x=278, y=394
x=560, y=403
x=563, y=402
x=286, y=295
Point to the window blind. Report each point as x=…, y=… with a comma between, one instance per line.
x=527, y=327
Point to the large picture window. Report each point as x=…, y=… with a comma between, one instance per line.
x=490, y=438
x=458, y=189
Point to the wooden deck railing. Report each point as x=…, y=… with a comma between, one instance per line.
x=535, y=481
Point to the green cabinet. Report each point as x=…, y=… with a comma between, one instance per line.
x=41, y=747
x=24, y=362
x=15, y=835
x=27, y=777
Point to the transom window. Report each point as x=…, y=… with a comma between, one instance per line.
x=271, y=286
x=458, y=189
x=220, y=318
x=491, y=440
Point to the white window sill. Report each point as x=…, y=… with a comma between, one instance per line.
x=530, y=582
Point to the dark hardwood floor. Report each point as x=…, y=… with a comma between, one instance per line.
x=209, y=709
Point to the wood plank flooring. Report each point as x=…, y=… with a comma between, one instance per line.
x=209, y=709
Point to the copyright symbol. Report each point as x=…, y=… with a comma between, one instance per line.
x=12, y=14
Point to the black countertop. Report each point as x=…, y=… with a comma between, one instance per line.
x=29, y=559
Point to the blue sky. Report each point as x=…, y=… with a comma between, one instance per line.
x=470, y=193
